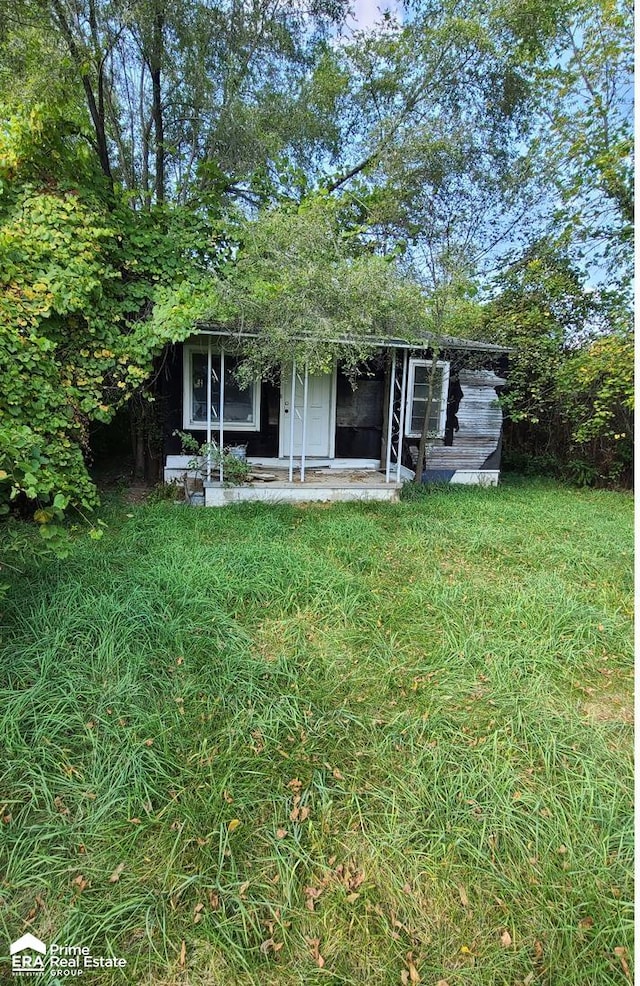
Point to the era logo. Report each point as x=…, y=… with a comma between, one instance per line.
x=27, y=964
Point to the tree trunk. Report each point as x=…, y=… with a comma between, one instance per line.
x=157, y=50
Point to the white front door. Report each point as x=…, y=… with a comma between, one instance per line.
x=320, y=414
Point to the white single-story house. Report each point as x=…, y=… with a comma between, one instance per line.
x=315, y=436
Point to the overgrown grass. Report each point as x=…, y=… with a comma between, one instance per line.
x=393, y=736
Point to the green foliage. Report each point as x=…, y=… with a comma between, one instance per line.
x=569, y=398
x=209, y=457
x=79, y=274
x=163, y=492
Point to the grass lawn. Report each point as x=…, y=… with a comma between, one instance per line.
x=368, y=743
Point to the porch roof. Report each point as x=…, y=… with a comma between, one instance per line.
x=425, y=342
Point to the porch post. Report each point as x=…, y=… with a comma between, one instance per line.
x=392, y=388
x=208, y=408
x=221, y=413
x=403, y=411
x=292, y=412
x=304, y=420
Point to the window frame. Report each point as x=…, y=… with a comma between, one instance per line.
x=188, y=350
x=415, y=361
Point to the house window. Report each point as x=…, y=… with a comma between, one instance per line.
x=241, y=410
x=423, y=375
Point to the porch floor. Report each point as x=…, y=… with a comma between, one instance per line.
x=320, y=484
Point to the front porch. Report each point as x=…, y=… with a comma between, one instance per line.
x=273, y=481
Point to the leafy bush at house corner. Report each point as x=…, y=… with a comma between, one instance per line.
x=79, y=272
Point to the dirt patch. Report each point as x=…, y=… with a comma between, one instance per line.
x=609, y=708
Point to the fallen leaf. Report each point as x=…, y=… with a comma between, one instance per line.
x=243, y=888
x=621, y=953
x=311, y=895
x=281, y=833
x=351, y=898
x=267, y=946
x=227, y=797
x=234, y=824
x=538, y=949
x=214, y=900
x=135, y=821
x=180, y=661
x=587, y=922
x=413, y=972
x=80, y=883
x=183, y=953
x=148, y=742
x=315, y=951
x=505, y=939
x=295, y=784
x=117, y=873
x=464, y=900
x=338, y=776
x=61, y=808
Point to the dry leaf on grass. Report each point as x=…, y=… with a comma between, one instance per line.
x=79, y=883
x=197, y=913
x=311, y=894
x=117, y=873
x=505, y=939
x=464, y=900
x=585, y=923
x=621, y=953
x=234, y=824
x=315, y=951
x=280, y=833
x=271, y=946
x=413, y=974
x=183, y=953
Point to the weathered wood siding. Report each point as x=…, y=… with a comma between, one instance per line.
x=476, y=442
